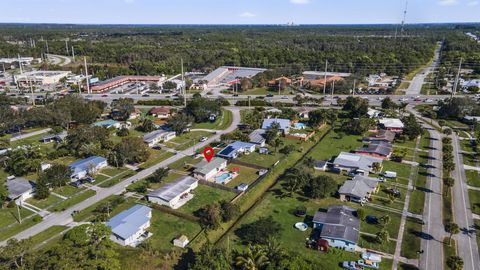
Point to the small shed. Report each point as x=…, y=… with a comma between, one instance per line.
x=242, y=187
x=181, y=241
x=320, y=165
x=263, y=150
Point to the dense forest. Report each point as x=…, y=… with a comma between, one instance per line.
x=158, y=49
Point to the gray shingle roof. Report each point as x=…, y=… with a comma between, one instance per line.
x=359, y=186
x=18, y=186
x=257, y=136
x=350, y=160
x=382, y=135
x=339, y=222
x=205, y=167
x=150, y=137
x=171, y=190
x=377, y=147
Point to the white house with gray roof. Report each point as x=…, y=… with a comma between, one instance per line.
x=157, y=136
x=20, y=189
x=205, y=170
x=359, y=189
x=339, y=226
x=354, y=162
x=174, y=194
x=129, y=228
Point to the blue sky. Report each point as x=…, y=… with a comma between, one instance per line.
x=237, y=11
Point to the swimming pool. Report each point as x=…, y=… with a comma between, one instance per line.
x=223, y=178
x=299, y=125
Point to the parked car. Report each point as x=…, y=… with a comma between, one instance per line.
x=368, y=264
x=269, y=95
x=393, y=191
x=104, y=95
x=89, y=179
x=371, y=220
x=145, y=95
x=351, y=266
x=203, y=139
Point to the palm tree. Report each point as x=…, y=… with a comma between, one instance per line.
x=451, y=228
x=276, y=143
x=455, y=263
x=391, y=198
x=448, y=182
x=252, y=259
x=385, y=220
x=383, y=236
x=273, y=250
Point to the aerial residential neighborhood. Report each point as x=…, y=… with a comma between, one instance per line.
x=240, y=135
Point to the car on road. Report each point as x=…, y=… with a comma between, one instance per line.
x=145, y=95
x=269, y=95
x=284, y=97
x=235, y=95
x=104, y=95
x=89, y=96
x=203, y=139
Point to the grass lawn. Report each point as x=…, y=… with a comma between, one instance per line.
x=206, y=195
x=245, y=175
x=87, y=213
x=470, y=159
x=26, y=223
x=411, y=239
x=473, y=178
x=220, y=123
x=115, y=180
x=184, y=164
x=187, y=140
x=455, y=124
x=44, y=203
x=449, y=250
x=466, y=145
x=156, y=156
x=9, y=216
x=112, y=171
x=261, y=159
x=264, y=91
x=74, y=200
x=474, y=201
x=333, y=144
x=47, y=234
x=68, y=190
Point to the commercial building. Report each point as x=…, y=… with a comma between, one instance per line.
x=339, y=226
x=157, y=136
x=92, y=164
x=12, y=63
x=205, y=170
x=226, y=75
x=40, y=77
x=129, y=228
x=174, y=194
x=121, y=80
x=20, y=189
x=234, y=149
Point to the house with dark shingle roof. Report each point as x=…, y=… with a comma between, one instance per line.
x=381, y=136
x=20, y=189
x=339, y=226
x=376, y=149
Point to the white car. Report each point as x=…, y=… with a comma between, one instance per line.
x=203, y=139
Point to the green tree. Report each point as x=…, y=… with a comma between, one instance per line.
x=320, y=187
x=451, y=228
x=180, y=122
x=17, y=254
x=42, y=190
x=147, y=125
x=122, y=108
x=210, y=216
x=412, y=129
x=388, y=104
x=259, y=231
x=211, y=258
x=449, y=182
x=252, y=259
x=361, y=214
x=383, y=237
x=159, y=175
x=123, y=132
x=455, y=263
x=384, y=220
x=230, y=211
x=58, y=175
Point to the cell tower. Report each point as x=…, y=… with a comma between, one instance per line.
x=402, y=30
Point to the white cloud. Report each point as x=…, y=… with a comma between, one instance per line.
x=247, y=14
x=300, y=2
x=473, y=3
x=448, y=2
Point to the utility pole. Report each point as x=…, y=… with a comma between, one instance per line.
x=66, y=46
x=457, y=77
x=86, y=75
x=46, y=45
x=31, y=90
x=73, y=54
x=19, y=215
x=333, y=89
x=325, y=78
x=20, y=64
x=402, y=31
x=183, y=86
x=353, y=90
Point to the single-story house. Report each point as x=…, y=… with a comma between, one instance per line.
x=359, y=189
x=135, y=114
x=392, y=124
x=205, y=170
x=376, y=149
x=234, y=149
x=154, y=137
x=60, y=137
x=110, y=123
x=129, y=228
x=92, y=164
x=20, y=189
x=372, y=113
x=174, y=194
x=284, y=124
x=381, y=136
x=320, y=165
x=160, y=112
x=355, y=162
x=339, y=226
x=181, y=241
x=258, y=137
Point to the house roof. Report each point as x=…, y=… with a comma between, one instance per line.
x=231, y=149
x=382, y=135
x=149, y=137
x=204, y=167
x=350, y=160
x=339, y=222
x=320, y=163
x=359, y=186
x=128, y=222
x=284, y=123
x=257, y=136
x=173, y=189
x=18, y=186
x=160, y=110
x=391, y=123
x=84, y=164
x=62, y=135
x=377, y=147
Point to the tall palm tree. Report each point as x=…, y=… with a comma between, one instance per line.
x=451, y=228
x=273, y=250
x=383, y=236
x=455, y=263
x=252, y=259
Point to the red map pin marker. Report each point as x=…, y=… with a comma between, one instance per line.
x=208, y=153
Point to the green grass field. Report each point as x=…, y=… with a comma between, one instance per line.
x=187, y=140
x=156, y=156
x=333, y=144
x=474, y=201
x=220, y=123
x=44, y=203
x=47, y=234
x=246, y=175
x=261, y=159
x=10, y=216
x=473, y=178
x=74, y=200
x=87, y=213
x=206, y=195
x=26, y=223
x=411, y=239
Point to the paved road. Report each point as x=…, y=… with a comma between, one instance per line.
x=466, y=239
x=432, y=245
x=417, y=82
x=30, y=134
x=60, y=60
x=64, y=217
